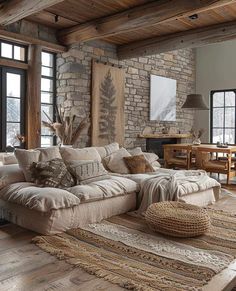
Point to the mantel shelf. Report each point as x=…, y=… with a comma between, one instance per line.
x=169, y=135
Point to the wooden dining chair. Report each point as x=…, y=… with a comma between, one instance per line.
x=177, y=158
x=210, y=163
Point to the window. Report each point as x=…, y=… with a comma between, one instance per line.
x=223, y=111
x=12, y=96
x=13, y=51
x=48, y=96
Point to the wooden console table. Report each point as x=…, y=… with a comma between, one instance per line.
x=155, y=141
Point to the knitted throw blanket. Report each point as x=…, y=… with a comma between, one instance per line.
x=170, y=186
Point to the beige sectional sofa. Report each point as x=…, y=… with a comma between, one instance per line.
x=50, y=210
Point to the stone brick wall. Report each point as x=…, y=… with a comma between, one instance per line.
x=74, y=86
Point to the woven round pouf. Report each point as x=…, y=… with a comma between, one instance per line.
x=177, y=219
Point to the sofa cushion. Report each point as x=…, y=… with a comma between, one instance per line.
x=115, y=186
x=115, y=162
x=53, y=173
x=86, y=172
x=8, y=158
x=74, y=154
x=138, y=164
x=152, y=158
x=10, y=174
x=135, y=151
x=156, y=165
x=47, y=154
x=25, y=159
x=39, y=199
x=107, y=149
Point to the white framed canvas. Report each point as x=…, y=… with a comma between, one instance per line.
x=162, y=98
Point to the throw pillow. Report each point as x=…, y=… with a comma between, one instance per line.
x=150, y=157
x=47, y=154
x=74, y=154
x=86, y=172
x=25, y=159
x=115, y=162
x=52, y=173
x=107, y=149
x=135, y=151
x=11, y=174
x=156, y=165
x=9, y=159
x=138, y=164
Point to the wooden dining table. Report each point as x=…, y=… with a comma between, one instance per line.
x=191, y=150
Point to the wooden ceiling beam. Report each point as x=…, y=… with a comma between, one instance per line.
x=188, y=39
x=15, y=10
x=24, y=39
x=138, y=17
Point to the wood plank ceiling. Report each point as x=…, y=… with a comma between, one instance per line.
x=83, y=19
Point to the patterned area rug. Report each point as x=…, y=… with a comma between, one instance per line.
x=124, y=251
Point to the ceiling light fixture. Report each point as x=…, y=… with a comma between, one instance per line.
x=195, y=101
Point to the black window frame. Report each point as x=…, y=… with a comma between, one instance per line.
x=54, y=93
x=211, y=113
x=14, y=44
x=3, y=106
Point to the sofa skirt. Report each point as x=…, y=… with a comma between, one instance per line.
x=63, y=219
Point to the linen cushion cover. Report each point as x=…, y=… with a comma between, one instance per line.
x=152, y=158
x=41, y=199
x=74, y=154
x=45, y=199
x=53, y=173
x=156, y=165
x=10, y=174
x=8, y=158
x=107, y=149
x=86, y=172
x=102, y=189
x=115, y=162
x=138, y=164
x=62, y=219
x=25, y=158
x=47, y=154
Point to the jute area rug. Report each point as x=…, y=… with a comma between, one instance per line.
x=124, y=251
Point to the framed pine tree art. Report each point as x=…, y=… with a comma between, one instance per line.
x=107, y=104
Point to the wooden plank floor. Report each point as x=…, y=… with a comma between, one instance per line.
x=24, y=267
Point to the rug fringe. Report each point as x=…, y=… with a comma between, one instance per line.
x=91, y=269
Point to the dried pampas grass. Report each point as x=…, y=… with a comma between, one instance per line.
x=64, y=127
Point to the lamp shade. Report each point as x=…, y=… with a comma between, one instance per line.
x=194, y=101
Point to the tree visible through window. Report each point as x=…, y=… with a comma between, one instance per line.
x=223, y=111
